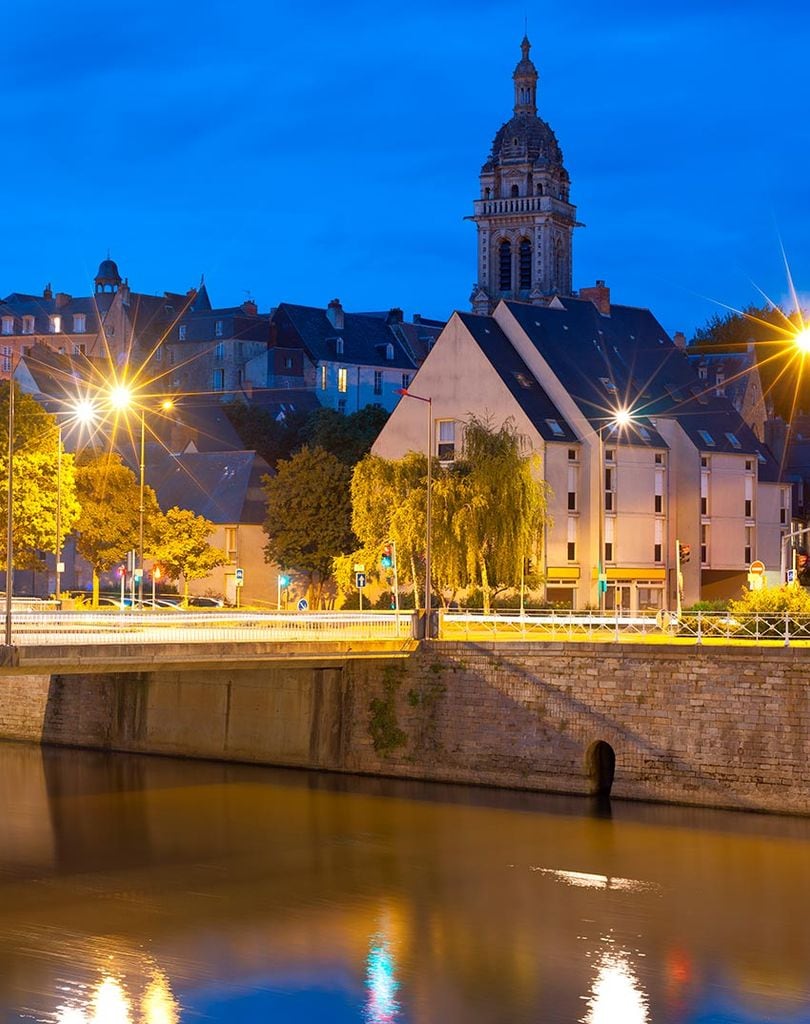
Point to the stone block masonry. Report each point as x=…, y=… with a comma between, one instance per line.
x=723, y=727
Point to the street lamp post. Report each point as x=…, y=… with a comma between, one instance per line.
x=142, y=468
x=621, y=418
x=428, y=524
x=10, y=510
x=58, y=586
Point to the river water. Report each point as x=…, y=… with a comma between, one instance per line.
x=138, y=890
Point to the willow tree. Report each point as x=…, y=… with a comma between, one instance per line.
x=43, y=481
x=497, y=505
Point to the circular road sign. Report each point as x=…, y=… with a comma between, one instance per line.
x=303, y=604
x=756, y=568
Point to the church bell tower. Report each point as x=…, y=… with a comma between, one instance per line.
x=524, y=219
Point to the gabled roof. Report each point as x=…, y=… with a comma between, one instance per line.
x=518, y=378
x=365, y=337
x=627, y=360
x=225, y=487
x=283, y=402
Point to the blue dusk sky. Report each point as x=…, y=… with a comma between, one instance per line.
x=301, y=151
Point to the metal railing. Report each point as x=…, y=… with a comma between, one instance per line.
x=179, y=627
x=780, y=628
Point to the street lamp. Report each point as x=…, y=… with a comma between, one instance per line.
x=428, y=525
x=620, y=419
x=10, y=509
x=802, y=341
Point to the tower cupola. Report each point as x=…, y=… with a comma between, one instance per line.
x=525, y=78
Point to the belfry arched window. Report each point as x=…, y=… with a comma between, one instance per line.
x=505, y=266
x=525, y=264
x=515, y=191
x=558, y=264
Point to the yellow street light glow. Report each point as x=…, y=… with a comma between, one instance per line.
x=85, y=411
x=120, y=397
x=167, y=404
x=802, y=341
x=622, y=418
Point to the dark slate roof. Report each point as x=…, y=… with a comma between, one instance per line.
x=626, y=359
x=365, y=337
x=282, y=402
x=734, y=367
x=92, y=307
x=206, y=419
x=517, y=377
x=225, y=487
x=236, y=324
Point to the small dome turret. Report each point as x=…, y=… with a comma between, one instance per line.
x=107, y=277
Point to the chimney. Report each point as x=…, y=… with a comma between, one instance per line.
x=334, y=312
x=599, y=295
x=395, y=315
x=47, y=294
x=62, y=299
x=417, y=318
x=249, y=307
x=679, y=338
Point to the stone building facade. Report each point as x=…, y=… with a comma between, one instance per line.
x=524, y=217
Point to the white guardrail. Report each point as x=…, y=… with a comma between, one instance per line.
x=170, y=626
x=652, y=627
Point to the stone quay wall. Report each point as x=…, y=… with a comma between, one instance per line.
x=712, y=726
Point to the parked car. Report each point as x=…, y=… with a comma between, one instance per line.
x=205, y=602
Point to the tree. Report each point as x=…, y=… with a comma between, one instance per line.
x=108, y=526
x=270, y=438
x=40, y=482
x=348, y=438
x=487, y=516
x=770, y=330
x=181, y=547
x=308, y=515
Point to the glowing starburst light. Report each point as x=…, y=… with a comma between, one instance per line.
x=802, y=341
x=85, y=411
x=622, y=418
x=120, y=397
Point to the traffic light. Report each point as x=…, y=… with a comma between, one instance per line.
x=387, y=557
x=686, y=551
x=120, y=572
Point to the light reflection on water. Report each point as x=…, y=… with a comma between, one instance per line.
x=146, y=891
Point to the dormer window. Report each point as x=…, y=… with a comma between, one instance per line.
x=389, y=351
x=28, y=325
x=706, y=438
x=339, y=346
x=79, y=323
x=607, y=383
x=181, y=332
x=55, y=323
x=733, y=439
x=8, y=325
x=555, y=428
x=218, y=329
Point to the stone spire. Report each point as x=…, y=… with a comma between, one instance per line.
x=525, y=78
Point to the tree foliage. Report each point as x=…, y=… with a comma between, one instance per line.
x=347, y=437
x=309, y=515
x=40, y=483
x=108, y=526
x=768, y=328
x=181, y=546
x=488, y=511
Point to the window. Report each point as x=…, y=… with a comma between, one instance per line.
x=378, y=382
x=749, y=497
x=572, y=551
x=702, y=372
x=659, y=492
x=572, y=455
x=406, y=381
x=704, y=493
x=55, y=323
x=288, y=363
x=610, y=455
x=704, y=544
x=644, y=434
x=218, y=380
x=218, y=329
x=8, y=325
x=704, y=461
x=572, y=488
x=323, y=377
x=181, y=332
x=607, y=383
x=78, y=350
x=341, y=405
x=555, y=427
x=343, y=379
x=658, y=541
x=5, y=359
x=659, y=459
x=733, y=440
x=389, y=351
x=28, y=325
x=749, y=544
x=609, y=496
x=572, y=539
x=230, y=543
x=749, y=465
x=706, y=438
x=79, y=323
x=339, y=346
x=447, y=439
x=609, y=527
x=505, y=266
x=219, y=351
x=525, y=264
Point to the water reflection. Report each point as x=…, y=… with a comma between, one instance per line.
x=110, y=1003
x=381, y=1006
x=616, y=994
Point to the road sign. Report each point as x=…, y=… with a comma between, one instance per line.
x=791, y=575
x=240, y=577
x=359, y=567
x=360, y=580
x=756, y=568
x=303, y=604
